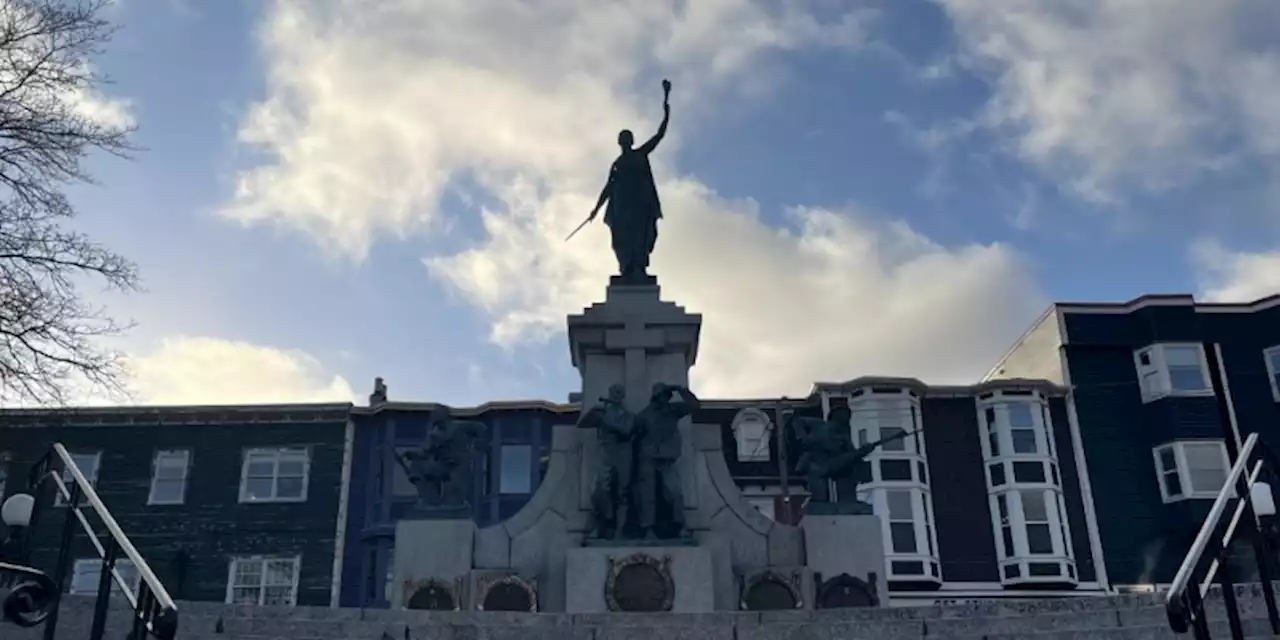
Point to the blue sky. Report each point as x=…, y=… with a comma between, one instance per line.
x=332, y=192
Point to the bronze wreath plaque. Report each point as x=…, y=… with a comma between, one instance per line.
x=640, y=582
x=846, y=591
x=508, y=593
x=771, y=591
x=431, y=595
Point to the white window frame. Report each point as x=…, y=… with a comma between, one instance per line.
x=1158, y=371
x=1270, y=356
x=278, y=454
x=92, y=567
x=1183, y=470
x=262, y=585
x=4, y=473
x=752, y=447
x=1011, y=491
x=60, y=501
x=166, y=458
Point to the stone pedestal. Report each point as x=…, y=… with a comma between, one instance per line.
x=432, y=553
x=845, y=545
x=602, y=579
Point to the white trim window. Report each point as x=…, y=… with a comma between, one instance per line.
x=86, y=573
x=1028, y=511
x=899, y=487
x=1191, y=469
x=275, y=475
x=1271, y=356
x=88, y=464
x=263, y=581
x=4, y=473
x=751, y=429
x=1172, y=369
x=169, y=477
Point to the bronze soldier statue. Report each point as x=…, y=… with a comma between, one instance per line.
x=828, y=453
x=660, y=449
x=611, y=497
x=441, y=469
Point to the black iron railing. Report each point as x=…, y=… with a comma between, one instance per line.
x=33, y=596
x=1231, y=519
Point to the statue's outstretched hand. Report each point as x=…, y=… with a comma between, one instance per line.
x=666, y=86
x=593, y=214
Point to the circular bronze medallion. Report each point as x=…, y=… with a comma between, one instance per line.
x=769, y=595
x=432, y=597
x=508, y=597
x=641, y=587
x=844, y=592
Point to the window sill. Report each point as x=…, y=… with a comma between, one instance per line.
x=166, y=503
x=1195, y=496
x=244, y=500
x=1203, y=393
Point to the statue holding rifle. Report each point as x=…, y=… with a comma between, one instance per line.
x=828, y=454
x=441, y=469
x=632, y=206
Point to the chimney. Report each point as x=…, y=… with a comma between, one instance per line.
x=379, y=394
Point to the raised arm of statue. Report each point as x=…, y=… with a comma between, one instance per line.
x=652, y=144
x=687, y=404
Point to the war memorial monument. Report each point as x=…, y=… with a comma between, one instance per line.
x=637, y=511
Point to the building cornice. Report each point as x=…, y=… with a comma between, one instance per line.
x=122, y=416
x=497, y=405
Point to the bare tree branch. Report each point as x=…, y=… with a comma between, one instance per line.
x=50, y=337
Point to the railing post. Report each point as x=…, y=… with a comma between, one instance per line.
x=1228, y=586
x=105, y=583
x=64, y=557
x=1195, y=607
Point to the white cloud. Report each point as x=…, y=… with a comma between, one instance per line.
x=190, y=370
x=372, y=112
x=1100, y=93
x=1235, y=276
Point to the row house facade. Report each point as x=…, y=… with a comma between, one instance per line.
x=1161, y=390
x=232, y=503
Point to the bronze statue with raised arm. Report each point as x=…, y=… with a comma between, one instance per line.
x=633, y=207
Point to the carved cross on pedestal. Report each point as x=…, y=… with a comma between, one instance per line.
x=634, y=340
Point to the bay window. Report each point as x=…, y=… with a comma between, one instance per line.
x=899, y=487
x=1172, y=369
x=1033, y=541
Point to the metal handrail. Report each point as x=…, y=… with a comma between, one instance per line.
x=1184, y=601
x=1180, y=579
x=91, y=496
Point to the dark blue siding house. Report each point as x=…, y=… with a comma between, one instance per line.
x=1152, y=428
x=509, y=466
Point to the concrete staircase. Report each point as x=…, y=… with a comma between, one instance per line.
x=1130, y=617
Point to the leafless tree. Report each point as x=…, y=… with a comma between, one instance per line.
x=51, y=336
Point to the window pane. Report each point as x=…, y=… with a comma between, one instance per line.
x=1186, y=379
x=288, y=488
x=1006, y=537
x=1273, y=359
x=245, y=595
x=516, y=469
x=1020, y=415
x=1033, y=506
x=1024, y=440
x=258, y=468
x=1182, y=357
x=1172, y=484
x=1039, y=540
x=904, y=537
x=896, y=445
x=899, y=503
x=292, y=468
x=895, y=470
x=1168, y=461
x=259, y=488
x=400, y=483
x=167, y=491
x=279, y=572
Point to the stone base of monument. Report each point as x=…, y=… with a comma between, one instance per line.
x=432, y=564
x=677, y=579
x=845, y=552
